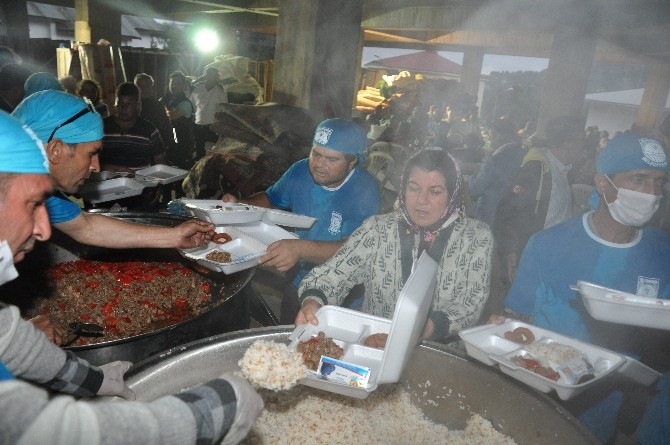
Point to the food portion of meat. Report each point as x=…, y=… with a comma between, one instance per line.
x=219, y=256
x=126, y=298
x=315, y=347
x=221, y=238
x=520, y=335
x=376, y=340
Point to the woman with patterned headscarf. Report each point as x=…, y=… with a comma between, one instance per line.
x=382, y=252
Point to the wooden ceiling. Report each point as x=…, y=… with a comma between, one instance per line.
x=628, y=30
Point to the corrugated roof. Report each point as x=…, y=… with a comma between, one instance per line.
x=50, y=11
x=622, y=97
x=141, y=23
x=129, y=23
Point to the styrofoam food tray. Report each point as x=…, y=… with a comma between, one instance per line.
x=249, y=242
x=487, y=344
x=161, y=173
x=288, y=219
x=110, y=190
x=220, y=213
x=105, y=175
x=349, y=329
x=614, y=306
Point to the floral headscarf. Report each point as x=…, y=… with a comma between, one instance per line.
x=424, y=236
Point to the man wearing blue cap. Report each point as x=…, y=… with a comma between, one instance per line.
x=71, y=131
x=331, y=186
x=226, y=406
x=609, y=246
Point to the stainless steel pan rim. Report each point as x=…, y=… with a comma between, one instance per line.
x=458, y=386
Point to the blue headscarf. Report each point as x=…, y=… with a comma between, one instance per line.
x=20, y=150
x=40, y=82
x=46, y=110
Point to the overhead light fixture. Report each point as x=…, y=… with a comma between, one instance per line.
x=206, y=40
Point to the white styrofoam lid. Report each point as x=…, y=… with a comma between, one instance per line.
x=409, y=318
x=110, y=190
x=289, y=219
x=220, y=213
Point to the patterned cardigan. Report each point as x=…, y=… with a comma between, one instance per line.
x=373, y=256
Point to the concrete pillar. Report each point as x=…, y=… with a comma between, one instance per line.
x=570, y=61
x=654, y=98
x=82, y=29
x=471, y=72
x=316, y=53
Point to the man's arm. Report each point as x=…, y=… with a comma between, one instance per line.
x=104, y=231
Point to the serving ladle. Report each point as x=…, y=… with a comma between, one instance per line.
x=82, y=329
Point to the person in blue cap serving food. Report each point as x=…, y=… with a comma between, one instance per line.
x=331, y=186
x=224, y=408
x=71, y=132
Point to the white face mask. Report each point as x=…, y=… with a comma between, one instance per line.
x=632, y=208
x=7, y=270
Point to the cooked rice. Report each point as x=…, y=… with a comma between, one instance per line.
x=552, y=353
x=306, y=415
x=272, y=365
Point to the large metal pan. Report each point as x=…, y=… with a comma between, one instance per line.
x=529, y=417
x=227, y=311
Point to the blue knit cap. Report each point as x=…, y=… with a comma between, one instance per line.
x=20, y=150
x=342, y=135
x=629, y=151
x=40, y=82
x=46, y=110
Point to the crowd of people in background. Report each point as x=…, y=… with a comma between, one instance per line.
x=173, y=127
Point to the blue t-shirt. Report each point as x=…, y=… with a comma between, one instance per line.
x=556, y=258
x=4, y=373
x=338, y=212
x=61, y=209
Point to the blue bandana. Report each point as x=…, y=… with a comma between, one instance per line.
x=46, y=110
x=342, y=135
x=628, y=151
x=20, y=150
x=40, y=82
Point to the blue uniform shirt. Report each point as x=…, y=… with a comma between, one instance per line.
x=558, y=257
x=338, y=212
x=61, y=209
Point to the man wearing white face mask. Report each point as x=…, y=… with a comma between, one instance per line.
x=608, y=246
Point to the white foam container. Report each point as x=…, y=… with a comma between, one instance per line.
x=288, y=219
x=349, y=329
x=249, y=243
x=161, y=174
x=106, y=175
x=110, y=190
x=614, y=306
x=221, y=213
x=487, y=344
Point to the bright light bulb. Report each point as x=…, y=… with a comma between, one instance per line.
x=206, y=40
